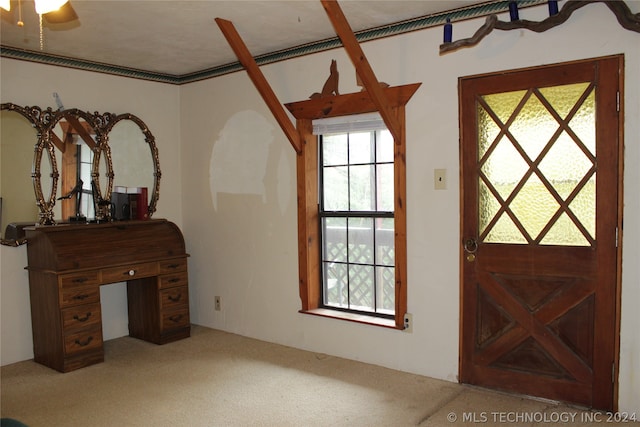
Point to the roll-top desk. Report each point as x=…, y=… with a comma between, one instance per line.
x=67, y=265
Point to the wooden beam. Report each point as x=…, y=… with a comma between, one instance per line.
x=68, y=180
x=60, y=145
x=308, y=221
x=260, y=82
x=363, y=68
x=81, y=131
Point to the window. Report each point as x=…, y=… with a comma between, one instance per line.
x=357, y=222
x=358, y=228
x=85, y=164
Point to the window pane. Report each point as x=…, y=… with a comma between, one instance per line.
x=545, y=126
x=384, y=146
x=335, y=239
x=385, y=291
x=86, y=155
x=584, y=125
x=385, y=235
x=534, y=206
x=384, y=191
x=361, y=291
x=583, y=206
x=505, y=167
x=336, y=188
x=361, y=148
x=361, y=240
x=85, y=175
x=334, y=150
x=335, y=285
x=503, y=104
x=361, y=188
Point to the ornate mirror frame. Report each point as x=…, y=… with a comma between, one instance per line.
x=50, y=142
x=39, y=120
x=150, y=140
x=44, y=121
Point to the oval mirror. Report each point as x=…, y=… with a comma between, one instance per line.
x=104, y=180
x=45, y=180
x=136, y=169
x=17, y=140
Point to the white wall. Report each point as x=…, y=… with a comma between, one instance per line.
x=158, y=105
x=243, y=241
x=240, y=226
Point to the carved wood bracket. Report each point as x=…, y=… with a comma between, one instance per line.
x=341, y=105
x=622, y=12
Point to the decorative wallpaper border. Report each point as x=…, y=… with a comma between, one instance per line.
x=475, y=11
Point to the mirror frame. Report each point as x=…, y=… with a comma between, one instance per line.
x=39, y=120
x=96, y=121
x=151, y=141
x=102, y=123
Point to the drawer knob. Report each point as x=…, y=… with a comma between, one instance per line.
x=132, y=272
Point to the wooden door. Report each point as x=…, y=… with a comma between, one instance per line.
x=540, y=181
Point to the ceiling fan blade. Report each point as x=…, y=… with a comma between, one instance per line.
x=65, y=14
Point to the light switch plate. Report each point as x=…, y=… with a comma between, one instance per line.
x=439, y=179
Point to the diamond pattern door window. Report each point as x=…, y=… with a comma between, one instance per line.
x=537, y=169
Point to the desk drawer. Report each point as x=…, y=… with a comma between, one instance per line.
x=127, y=272
x=83, y=341
x=81, y=316
x=173, y=280
x=73, y=280
x=174, y=319
x=173, y=265
x=174, y=297
x=75, y=296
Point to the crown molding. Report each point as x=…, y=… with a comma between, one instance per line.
x=416, y=24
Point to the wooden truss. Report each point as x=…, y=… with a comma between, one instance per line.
x=376, y=92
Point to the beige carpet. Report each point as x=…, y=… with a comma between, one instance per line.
x=219, y=379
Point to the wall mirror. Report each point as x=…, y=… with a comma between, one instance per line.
x=134, y=156
x=64, y=166
x=17, y=140
x=84, y=170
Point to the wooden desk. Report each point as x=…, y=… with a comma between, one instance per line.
x=67, y=265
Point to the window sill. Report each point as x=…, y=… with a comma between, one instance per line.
x=352, y=317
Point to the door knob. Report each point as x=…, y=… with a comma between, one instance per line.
x=470, y=246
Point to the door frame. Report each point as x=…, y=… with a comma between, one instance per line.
x=618, y=110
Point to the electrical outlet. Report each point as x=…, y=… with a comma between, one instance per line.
x=218, y=303
x=408, y=322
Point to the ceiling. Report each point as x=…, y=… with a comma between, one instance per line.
x=178, y=38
